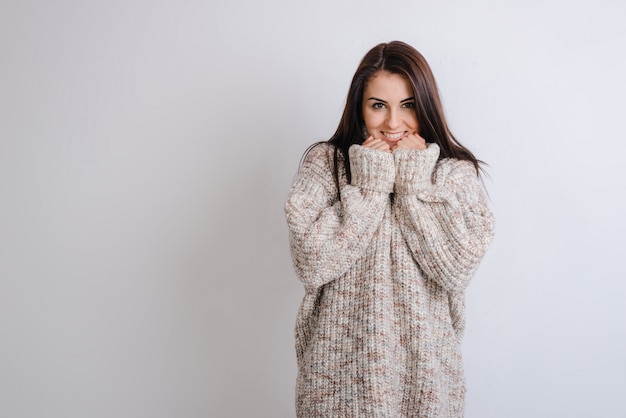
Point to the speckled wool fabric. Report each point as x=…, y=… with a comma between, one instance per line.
x=379, y=329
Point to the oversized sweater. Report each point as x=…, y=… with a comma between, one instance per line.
x=384, y=271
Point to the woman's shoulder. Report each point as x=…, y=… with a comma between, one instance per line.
x=319, y=150
x=452, y=168
x=316, y=168
x=321, y=154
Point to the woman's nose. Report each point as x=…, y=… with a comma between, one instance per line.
x=392, y=120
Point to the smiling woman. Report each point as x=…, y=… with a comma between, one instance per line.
x=389, y=114
x=388, y=222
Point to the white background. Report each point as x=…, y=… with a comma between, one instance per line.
x=147, y=148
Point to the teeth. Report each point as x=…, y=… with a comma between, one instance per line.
x=393, y=136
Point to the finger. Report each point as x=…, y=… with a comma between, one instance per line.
x=413, y=141
x=380, y=146
x=418, y=141
x=376, y=143
x=368, y=141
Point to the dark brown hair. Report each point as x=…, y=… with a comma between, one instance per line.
x=397, y=58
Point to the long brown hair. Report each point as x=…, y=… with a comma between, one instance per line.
x=397, y=58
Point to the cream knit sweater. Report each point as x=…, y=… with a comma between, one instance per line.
x=379, y=329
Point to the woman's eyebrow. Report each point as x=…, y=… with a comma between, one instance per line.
x=384, y=101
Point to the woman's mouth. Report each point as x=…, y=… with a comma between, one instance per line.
x=393, y=136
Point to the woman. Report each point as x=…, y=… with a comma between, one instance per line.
x=388, y=222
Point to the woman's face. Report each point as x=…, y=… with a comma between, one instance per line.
x=389, y=107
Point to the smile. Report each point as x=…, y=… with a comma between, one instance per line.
x=393, y=136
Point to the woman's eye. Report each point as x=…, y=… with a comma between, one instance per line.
x=378, y=106
x=409, y=105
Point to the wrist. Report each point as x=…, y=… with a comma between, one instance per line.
x=372, y=169
x=414, y=168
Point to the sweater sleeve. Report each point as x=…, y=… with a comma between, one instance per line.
x=443, y=214
x=326, y=235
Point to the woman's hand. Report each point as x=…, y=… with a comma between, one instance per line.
x=412, y=141
x=375, y=143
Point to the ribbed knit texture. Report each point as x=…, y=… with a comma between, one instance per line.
x=379, y=329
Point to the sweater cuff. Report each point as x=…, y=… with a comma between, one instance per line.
x=371, y=169
x=414, y=168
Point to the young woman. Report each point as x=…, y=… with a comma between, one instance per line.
x=388, y=222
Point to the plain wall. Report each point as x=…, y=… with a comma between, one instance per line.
x=147, y=148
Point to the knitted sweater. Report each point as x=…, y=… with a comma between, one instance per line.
x=384, y=270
